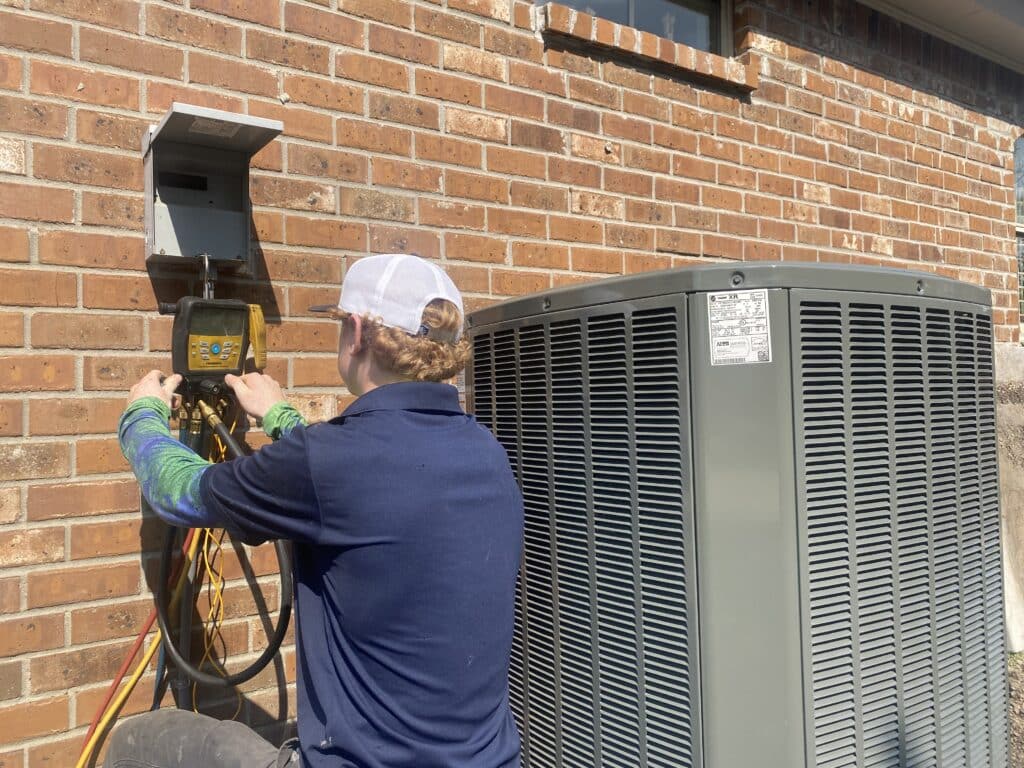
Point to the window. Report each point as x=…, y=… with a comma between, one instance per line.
x=1018, y=174
x=697, y=23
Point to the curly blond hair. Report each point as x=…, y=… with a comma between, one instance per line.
x=436, y=355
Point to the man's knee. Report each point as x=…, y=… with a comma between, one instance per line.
x=150, y=740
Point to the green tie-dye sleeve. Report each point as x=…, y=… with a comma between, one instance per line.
x=281, y=419
x=167, y=471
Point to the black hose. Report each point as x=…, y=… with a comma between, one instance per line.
x=275, y=641
x=284, y=562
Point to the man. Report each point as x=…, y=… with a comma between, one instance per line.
x=407, y=525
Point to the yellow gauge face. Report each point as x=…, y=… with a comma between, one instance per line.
x=214, y=353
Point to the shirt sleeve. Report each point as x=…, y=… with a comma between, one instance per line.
x=268, y=495
x=168, y=472
x=281, y=419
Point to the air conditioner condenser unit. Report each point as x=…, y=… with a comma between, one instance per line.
x=762, y=519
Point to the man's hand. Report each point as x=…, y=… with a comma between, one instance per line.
x=256, y=392
x=153, y=384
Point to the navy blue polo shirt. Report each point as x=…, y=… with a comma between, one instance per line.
x=407, y=524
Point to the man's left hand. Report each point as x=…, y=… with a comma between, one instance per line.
x=151, y=385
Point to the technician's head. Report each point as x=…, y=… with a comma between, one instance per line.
x=401, y=321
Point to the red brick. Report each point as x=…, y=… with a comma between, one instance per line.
x=12, y=329
x=282, y=192
x=38, y=288
x=105, y=539
x=38, y=633
x=130, y=53
x=538, y=137
x=36, y=718
x=448, y=26
x=396, y=173
x=437, y=85
x=297, y=336
x=495, y=9
x=449, y=214
x=596, y=204
x=29, y=33
x=287, y=51
x=99, y=456
x=37, y=373
x=70, y=669
x=108, y=372
x=473, y=61
x=110, y=130
x=303, y=267
x=266, y=12
x=525, y=195
x=84, y=85
x=388, y=239
x=405, y=110
x=315, y=371
x=397, y=13
x=540, y=255
x=32, y=116
x=329, y=233
x=625, y=236
x=462, y=247
x=477, y=125
x=361, y=134
x=190, y=29
x=69, y=416
x=10, y=426
x=368, y=203
x=160, y=96
x=331, y=26
x=120, y=292
x=326, y=163
x=535, y=78
x=34, y=461
x=573, y=172
x=83, y=249
x=372, y=69
x=86, y=331
x=516, y=162
x=448, y=150
x=231, y=74
x=403, y=45
x=109, y=622
x=24, y=201
x=10, y=594
x=83, y=166
x=598, y=260
x=13, y=244
x=509, y=283
x=298, y=122
x=31, y=547
x=475, y=186
x=576, y=229
x=10, y=72
x=68, y=500
x=518, y=223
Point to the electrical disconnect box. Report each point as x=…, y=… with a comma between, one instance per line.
x=196, y=165
x=762, y=519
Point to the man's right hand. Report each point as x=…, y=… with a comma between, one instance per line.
x=256, y=392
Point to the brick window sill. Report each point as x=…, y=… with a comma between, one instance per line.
x=740, y=73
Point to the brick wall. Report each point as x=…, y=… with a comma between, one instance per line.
x=454, y=129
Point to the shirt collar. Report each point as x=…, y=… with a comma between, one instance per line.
x=407, y=396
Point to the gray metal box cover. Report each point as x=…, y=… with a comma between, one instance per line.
x=196, y=167
x=793, y=561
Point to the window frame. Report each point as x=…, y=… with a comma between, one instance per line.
x=1018, y=232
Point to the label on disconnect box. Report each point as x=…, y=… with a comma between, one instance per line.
x=740, y=328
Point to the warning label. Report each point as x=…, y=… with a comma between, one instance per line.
x=739, y=327
x=214, y=128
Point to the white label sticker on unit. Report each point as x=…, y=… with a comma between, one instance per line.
x=219, y=128
x=739, y=327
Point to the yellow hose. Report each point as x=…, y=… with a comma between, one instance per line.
x=140, y=670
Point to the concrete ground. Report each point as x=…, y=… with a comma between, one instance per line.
x=1017, y=710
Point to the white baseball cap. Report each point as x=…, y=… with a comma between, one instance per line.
x=394, y=288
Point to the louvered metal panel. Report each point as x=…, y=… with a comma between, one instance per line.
x=597, y=425
x=838, y=519
x=898, y=482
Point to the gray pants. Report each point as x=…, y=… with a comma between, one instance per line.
x=174, y=738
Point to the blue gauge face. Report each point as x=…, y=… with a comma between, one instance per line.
x=215, y=349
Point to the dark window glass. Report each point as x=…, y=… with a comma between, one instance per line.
x=613, y=10
x=694, y=26
x=693, y=22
